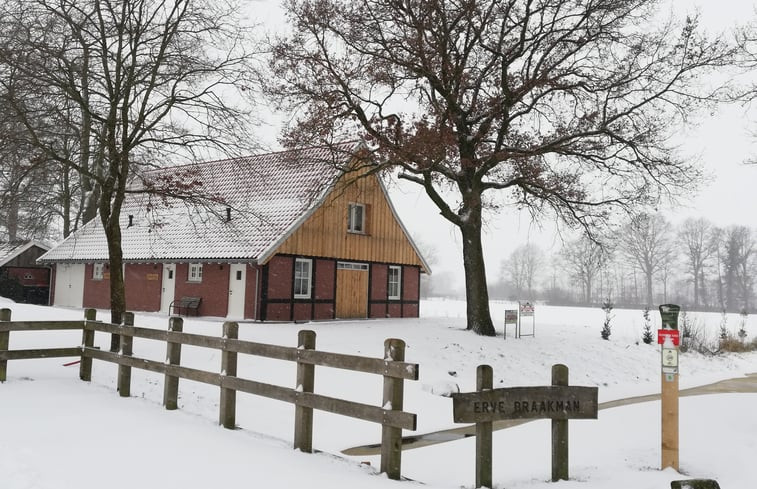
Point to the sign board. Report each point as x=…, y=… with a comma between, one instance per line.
x=511, y=316
x=669, y=315
x=548, y=402
x=152, y=276
x=673, y=334
x=526, y=308
x=669, y=357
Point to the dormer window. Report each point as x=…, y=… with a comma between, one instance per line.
x=356, y=218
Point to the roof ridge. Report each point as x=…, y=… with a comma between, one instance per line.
x=353, y=143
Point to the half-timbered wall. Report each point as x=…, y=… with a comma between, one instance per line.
x=278, y=302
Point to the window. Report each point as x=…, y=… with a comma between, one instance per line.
x=195, y=272
x=303, y=269
x=97, y=271
x=395, y=278
x=345, y=265
x=356, y=218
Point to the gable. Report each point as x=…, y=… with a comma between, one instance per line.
x=21, y=254
x=324, y=232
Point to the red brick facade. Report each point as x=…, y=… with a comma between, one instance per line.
x=269, y=290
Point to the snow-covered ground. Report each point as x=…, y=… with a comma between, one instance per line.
x=57, y=432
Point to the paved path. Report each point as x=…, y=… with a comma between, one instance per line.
x=747, y=384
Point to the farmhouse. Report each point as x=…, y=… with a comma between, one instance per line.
x=287, y=236
x=21, y=278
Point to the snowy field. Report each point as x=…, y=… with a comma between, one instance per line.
x=57, y=432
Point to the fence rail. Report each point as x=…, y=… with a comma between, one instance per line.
x=392, y=367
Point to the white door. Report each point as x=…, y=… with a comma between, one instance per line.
x=168, y=287
x=237, y=280
x=69, y=285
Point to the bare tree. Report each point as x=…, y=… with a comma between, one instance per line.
x=738, y=253
x=697, y=237
x=136, y=82
x=561, y=107
x=522, y=268
x=647, y=242
x=584, y=259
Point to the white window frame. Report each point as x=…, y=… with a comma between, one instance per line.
x=194, y=272
x=352, y=213
x=97, y=271
x=398, y=283
x=301, y=281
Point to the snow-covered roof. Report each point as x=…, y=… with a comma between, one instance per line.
x=268, y=195
x=10, y=250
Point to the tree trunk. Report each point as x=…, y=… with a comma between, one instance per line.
x=476, y=292
x=649, y=289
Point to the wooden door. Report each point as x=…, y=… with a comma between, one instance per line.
x=237, y=280
x=351, y=293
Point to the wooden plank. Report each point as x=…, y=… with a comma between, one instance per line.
x=5, y=316
x=157, y=367
x=173, y=357
x=547, y=402
x=484, y=442
x=227, y=408
x=39, y=353
x=126, y=342
x=399, y=370
x=270, y=391
x=391, y=436
x=560, y=433
x=40, y=325
x=366, y=412
x=303, y=415
x=87, y=341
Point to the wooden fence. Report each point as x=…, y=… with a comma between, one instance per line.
x=392, y=367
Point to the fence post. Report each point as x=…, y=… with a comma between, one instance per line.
x=228, y=405
x=559, y=431
x=5, y=315
x=173, y=357
x=484, y=381
x=124, y=371
x=303, y=416
x=391, y=437
x=87, y=341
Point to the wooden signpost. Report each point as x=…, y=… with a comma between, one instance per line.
x=558, y=402
x=669, y=338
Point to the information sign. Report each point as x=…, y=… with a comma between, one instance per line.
x=669, y=315
x=548, y=402
x=673, y=334
x=511, y=316
x=526, y=309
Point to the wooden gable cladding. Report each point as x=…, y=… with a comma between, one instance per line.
x=325, y=233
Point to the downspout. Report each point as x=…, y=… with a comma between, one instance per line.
x=255, y=308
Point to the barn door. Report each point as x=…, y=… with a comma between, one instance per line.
x=351, y=290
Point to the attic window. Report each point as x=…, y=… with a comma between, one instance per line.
x=356, y=218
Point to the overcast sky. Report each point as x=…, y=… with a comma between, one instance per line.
x=722, y=141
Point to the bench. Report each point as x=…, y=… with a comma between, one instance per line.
x=185, y=306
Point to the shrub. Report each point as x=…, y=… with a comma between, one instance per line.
x=647, y=337
x=607, y=307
